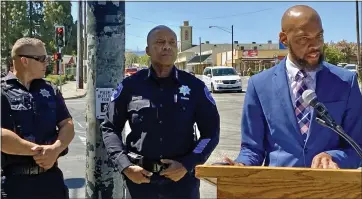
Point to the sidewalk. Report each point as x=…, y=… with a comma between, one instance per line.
x=70, y=91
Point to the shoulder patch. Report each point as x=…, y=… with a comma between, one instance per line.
x=117, y=92
x=209, y=96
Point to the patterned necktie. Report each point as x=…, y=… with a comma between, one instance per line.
x=301, y=109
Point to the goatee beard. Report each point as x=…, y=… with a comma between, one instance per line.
x=303, y=63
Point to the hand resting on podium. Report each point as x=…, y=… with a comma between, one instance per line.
x=228, y=161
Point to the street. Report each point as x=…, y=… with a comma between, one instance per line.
x=73, y=165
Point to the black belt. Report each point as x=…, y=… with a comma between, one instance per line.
x=25, y=169
x=154, y=167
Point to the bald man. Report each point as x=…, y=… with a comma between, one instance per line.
x=278, y=128
x=161, y=104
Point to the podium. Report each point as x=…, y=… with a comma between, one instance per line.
x=282, y=182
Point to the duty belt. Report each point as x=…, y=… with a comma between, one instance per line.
x=153, y=167
x=25, y=170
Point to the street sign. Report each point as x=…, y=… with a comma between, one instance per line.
x=103, y=97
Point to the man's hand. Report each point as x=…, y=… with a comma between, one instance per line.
x=175, y=171
x=232, y=162
x=47, y=157
x=137, y=174
x=323, y=161
x=35, y=150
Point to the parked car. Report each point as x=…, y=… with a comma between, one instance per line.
x=341, y=64
x=351, y=67
x=222, y=78
x=130, y=71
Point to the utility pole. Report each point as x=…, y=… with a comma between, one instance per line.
x=85, y=70
x=31, y=18
x=106, y=44
x=79, y=47
x=200, y=49
x=60, y=68
x=232, y=45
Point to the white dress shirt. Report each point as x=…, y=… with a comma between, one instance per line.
x=310, y=81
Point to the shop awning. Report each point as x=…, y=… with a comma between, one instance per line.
x=197, y=58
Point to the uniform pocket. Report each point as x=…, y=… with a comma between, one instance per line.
x=137, y=105
x=142, y=111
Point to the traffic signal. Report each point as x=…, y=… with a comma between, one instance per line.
x=59, y=36
x=57, y=56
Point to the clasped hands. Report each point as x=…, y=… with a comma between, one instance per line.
x=45, y=155
x=175, y=171
x=321, y=161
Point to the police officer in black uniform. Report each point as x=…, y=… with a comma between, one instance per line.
x=161, y=105
x=36, y=126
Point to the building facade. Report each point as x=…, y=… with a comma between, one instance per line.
x=254, y=60
x=244, y=55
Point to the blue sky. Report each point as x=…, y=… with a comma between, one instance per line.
x=253, y=21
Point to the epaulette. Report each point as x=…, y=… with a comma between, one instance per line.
x=4, y=86
x=55, y=88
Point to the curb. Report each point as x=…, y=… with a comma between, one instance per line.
x=76, y=97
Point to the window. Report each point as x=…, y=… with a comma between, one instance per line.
x=350, y=67
x=130, y=70
x=223, y=72
x=207, y=71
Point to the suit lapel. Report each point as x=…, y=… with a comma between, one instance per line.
x=281, y=89
x=320, y=90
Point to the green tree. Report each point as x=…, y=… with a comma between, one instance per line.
x=348, y=49
x=14, y=24
x=57, y=13
x=131, y=58
x=35, y=10
x=332, y=54
x=144, y=60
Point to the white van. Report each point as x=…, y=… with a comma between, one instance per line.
x=222, y=78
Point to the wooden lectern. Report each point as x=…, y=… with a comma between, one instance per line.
x=282, y=182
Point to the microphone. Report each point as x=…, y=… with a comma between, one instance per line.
x=310, y=98
x=326, y=120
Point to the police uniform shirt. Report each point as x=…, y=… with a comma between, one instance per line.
x=161, y=113
x=32, y=114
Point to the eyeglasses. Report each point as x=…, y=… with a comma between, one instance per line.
x=42, y=58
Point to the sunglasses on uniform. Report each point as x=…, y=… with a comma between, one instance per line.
x=42, y=58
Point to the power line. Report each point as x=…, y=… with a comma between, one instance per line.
x=161, y=23
x=241, y=14
x=135, y=35
x=220, y=17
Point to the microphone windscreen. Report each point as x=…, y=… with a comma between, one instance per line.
x=308, y=96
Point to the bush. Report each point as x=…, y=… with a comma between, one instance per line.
x=55, y=79
x=70, y=78
x=250, y=73
x=49, y=69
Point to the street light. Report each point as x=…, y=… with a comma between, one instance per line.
x=232, y=40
